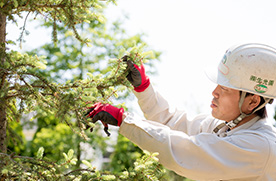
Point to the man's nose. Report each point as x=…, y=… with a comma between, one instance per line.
x=215, y=92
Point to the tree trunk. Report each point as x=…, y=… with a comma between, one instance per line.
x=3, y=104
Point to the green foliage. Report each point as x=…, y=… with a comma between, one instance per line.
x=56, y=138
x=16, y=138
x=124, y=155
x=36, y=168
x=148, y=168
x=68, y=12
x=54, y=147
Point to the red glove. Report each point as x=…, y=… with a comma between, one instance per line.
x=107, y=114
x=137, y=76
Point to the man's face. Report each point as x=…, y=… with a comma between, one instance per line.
x=225, y=104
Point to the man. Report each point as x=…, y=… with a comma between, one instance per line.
x=236, y=142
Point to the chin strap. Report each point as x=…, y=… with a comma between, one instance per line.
x=235, y=122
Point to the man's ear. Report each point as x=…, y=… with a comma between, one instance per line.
x=254, y=102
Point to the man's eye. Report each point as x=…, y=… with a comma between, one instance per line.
x=223, y=88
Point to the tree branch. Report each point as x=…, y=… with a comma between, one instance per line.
x=23, y=30
x=79, y=170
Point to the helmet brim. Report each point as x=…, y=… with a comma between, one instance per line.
x=212, y=74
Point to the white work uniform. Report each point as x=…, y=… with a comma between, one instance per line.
x=192, y=149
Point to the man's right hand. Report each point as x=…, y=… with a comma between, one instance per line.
x=137, y=76
x=105, y=113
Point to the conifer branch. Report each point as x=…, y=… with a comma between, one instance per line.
x=23, y=30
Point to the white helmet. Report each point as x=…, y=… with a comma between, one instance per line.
x=248, y=68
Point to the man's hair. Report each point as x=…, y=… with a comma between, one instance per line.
x=262, y=112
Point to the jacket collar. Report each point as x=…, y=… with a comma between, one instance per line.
x=224, y=131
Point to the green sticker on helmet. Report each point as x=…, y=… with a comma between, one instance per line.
x=260, y=88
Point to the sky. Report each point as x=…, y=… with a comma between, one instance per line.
x=192, y=35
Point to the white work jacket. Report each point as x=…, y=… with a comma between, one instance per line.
x=191, y=148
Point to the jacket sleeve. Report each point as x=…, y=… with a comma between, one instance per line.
x=204, y=156
x=156, y=108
